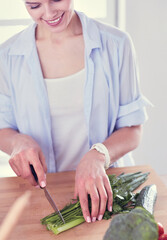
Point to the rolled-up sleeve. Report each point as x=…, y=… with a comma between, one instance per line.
x=7, y=119
x=132, y=103
x=133, y=113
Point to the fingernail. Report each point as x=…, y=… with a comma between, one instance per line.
x=100, y=217
x=110, y=208
x=88, y=219
x=43, y=184
x=94, y=219
x=37, y=186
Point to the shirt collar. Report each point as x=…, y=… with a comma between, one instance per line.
x=90, y=32
x=25, y=41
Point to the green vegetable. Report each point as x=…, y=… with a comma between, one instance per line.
x=138, y=224
x=147, y=198
x=72, y=215
x=123, y=200
x=123, y=186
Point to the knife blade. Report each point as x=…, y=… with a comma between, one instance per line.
x=47, y=194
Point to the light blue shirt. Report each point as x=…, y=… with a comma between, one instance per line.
x=112, y=96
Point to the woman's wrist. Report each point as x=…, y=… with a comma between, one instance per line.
x=101, y=148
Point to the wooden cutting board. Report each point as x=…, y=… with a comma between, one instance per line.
x=61, y=187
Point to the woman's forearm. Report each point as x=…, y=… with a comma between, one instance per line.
x=7, y=136
x=123, y=141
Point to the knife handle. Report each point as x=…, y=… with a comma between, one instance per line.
x=34, y=173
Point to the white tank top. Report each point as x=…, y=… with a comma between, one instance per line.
x=69, y=132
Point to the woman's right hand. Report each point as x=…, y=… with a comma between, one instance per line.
x=26, y=151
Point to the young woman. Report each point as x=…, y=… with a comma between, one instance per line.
x=70, y=99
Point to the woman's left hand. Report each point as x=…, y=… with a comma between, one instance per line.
x=91, y=178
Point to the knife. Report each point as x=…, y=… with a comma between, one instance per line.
x=47, y=194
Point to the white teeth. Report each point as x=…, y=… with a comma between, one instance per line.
x=54, y=21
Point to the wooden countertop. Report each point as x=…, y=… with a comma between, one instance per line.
x=61, y=187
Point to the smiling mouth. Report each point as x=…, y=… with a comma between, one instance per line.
x=54, y=21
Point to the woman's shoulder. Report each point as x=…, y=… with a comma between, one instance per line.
x=111, y=30
x=8, y=43
x=114, y=36
x=16, y=40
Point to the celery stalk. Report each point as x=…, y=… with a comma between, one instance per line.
x=61, y=228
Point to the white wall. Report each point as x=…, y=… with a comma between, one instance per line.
x=146, y=21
